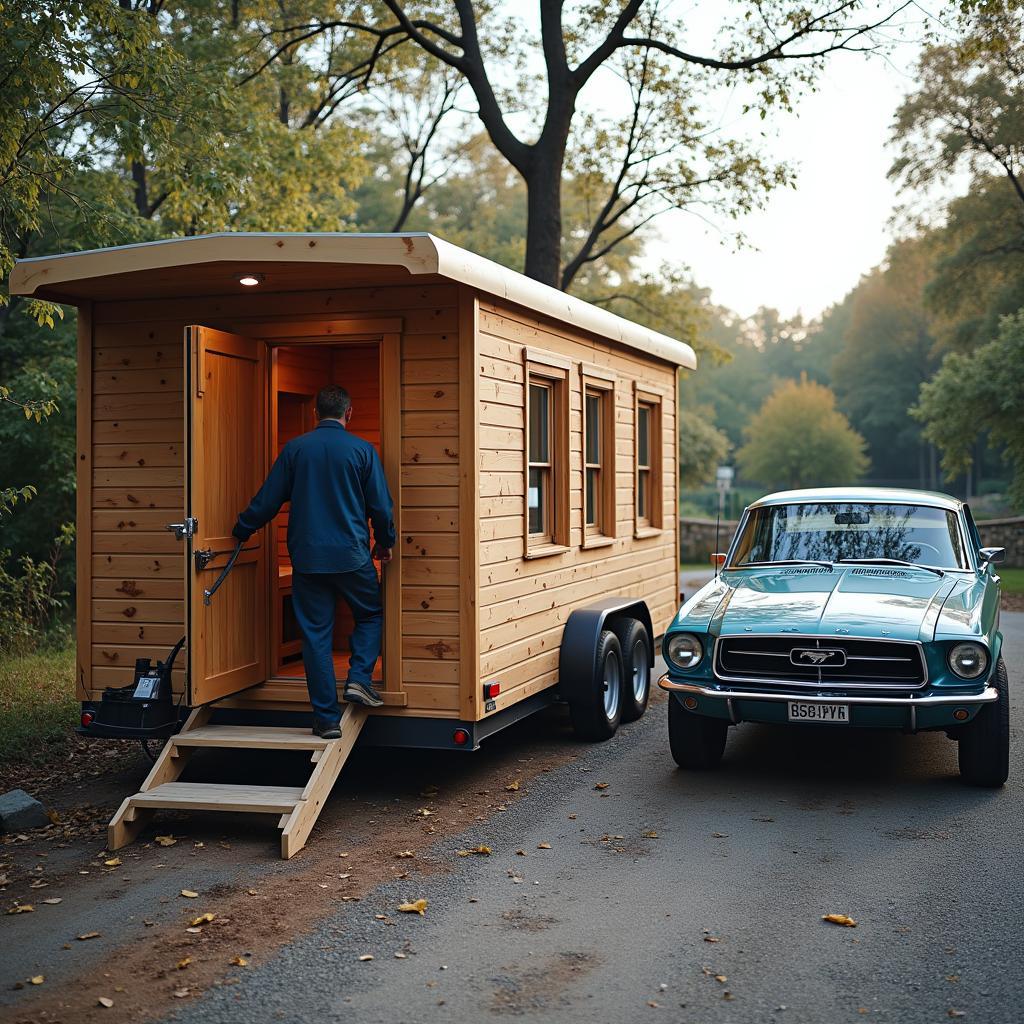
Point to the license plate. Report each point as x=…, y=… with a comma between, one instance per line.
x=836, y=714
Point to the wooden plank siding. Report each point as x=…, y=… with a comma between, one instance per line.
x=524, y=603
x=131, y=476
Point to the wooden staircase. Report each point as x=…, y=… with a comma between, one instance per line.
x=299, y=807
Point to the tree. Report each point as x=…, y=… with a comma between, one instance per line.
x=665, y=153
x=976, y=394
x=702, y=446
x=799, y=439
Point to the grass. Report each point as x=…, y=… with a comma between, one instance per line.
x=1013, y=580
x=38, y=708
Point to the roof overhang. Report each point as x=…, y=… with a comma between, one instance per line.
x=65, y=278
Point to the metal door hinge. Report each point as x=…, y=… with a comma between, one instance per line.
x=185, y=529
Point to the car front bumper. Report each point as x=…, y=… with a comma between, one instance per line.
x=929, y=711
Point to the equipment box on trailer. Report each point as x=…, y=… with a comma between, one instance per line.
x=528, y=438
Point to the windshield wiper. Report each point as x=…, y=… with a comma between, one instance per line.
x=787, y=561
x=890, y=561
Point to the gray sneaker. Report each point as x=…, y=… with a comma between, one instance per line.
x=363, y=693
x=327, y=730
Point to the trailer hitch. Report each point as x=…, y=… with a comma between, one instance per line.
x=203, y=559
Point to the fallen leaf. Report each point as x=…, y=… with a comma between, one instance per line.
x=365, y=957
x=843, y=919
x=87, y=935
x=543, y=846
x=482, y=851
x=182, y=964
x=601, y=785
x=342, y=854
x=719, y=835
x=400, y=956
x=37, y=980
x=572, y=817
x=22, y=908
x=650, y=835
x=181, y=993
x=52, y=901
x=423, y=812
x=380, y=917
x=105, y=1001
x=345, y=874
x=416, y=907
x=240, y=961
x=166, y=840
x=194, y=931
x=953, y=977
x=206, y=918
x=652, y=1004
x=956, y=1013
x=513, y=786
x=404, y=854
x=38, y=883
x=189, y=894
x=252, y=892
x=721, y=978
x=114, y=862
x=520, y=853
x=711, y=938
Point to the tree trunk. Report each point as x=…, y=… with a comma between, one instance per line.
x=544, y=216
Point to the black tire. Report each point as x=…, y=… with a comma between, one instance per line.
x=985, y=742
x=636, y=667
x=594, y=718
x=696, y=742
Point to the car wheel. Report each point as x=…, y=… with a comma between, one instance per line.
x=985, y=743
x=596, y=714
x=636, y=667
x=695, y=741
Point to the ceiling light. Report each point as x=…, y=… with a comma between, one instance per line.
x=251, y=280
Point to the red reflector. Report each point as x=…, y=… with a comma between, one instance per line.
x=491, y=690
x=460, y=737
x=87, y=717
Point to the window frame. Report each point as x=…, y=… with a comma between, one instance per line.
x=551, y=371
x=596, y=380
x=651, y=524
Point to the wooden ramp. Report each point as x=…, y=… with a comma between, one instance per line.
x=299, y=807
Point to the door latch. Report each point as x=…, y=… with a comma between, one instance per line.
x=185, y=529
x=203, y=557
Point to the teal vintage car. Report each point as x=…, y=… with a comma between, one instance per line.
x=849, y=608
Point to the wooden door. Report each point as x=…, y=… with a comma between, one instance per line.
x=225, y=395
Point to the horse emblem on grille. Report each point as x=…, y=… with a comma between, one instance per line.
x=819, y=657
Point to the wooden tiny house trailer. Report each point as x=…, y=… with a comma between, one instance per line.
x=529, y=440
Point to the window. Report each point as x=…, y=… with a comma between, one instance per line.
x=547, y=453
x=648, y=494
x=597, y=386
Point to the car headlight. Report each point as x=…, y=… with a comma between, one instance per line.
x=684, y=650
x=968, y=660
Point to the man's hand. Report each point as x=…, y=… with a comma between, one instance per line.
x=382, y=555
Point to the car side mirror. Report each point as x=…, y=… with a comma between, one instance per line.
x=991, y=556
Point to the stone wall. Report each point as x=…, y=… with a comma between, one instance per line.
x=697, y=538
x=1005, y=533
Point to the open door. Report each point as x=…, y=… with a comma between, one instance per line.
x=225, y=393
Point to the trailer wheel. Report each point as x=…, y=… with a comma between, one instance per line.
x=596, y=713
x=636, y=667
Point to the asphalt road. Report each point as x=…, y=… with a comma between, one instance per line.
x=695, y=897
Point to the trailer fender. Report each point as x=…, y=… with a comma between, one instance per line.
x=576, y=664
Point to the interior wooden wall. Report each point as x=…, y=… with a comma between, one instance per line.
x=131, y=473
x=524, y=603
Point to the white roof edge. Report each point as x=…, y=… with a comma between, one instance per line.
x=417, y=252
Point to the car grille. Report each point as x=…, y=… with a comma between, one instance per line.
x=819, y=661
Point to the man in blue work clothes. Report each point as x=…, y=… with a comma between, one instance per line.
x=335, y=483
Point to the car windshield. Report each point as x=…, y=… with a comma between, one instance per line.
x=833, y=531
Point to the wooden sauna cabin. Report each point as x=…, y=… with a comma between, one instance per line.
x=528, y=438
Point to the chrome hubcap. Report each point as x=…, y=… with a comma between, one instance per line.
x=612, y=679
x=641, y=672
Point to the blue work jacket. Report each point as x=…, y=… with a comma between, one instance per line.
x=335, y=483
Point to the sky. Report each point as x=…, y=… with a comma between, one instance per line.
x=810, y=245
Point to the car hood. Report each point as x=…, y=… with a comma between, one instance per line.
x=904, y=604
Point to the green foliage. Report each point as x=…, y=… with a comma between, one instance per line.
x=799, y=439
x=30, y=598
x=978, y=393
x=702, y=446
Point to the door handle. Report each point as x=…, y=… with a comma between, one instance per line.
x=185, y=529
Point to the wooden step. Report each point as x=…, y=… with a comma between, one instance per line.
x=208, y=796
x=251, y=737
x=299, y=808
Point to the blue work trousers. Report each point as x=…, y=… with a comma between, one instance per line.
x=314, y=598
